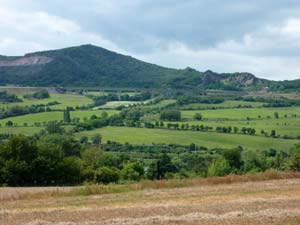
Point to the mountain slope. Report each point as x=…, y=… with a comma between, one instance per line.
x=85, y=65
x=88, y=65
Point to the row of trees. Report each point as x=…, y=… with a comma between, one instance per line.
x=20, y=110
x=55, y=158
x=41, y=94
x=7, y=98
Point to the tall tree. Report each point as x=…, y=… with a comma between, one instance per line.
x=67, y=116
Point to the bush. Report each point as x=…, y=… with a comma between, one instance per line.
x=107, y=175
x=219, y=167
x=171, y=115
x=132, y=171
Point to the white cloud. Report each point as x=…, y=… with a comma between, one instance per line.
x=23, y=32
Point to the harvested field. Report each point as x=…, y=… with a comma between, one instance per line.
x=254, y=202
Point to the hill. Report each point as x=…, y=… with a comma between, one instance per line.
x=92, y=66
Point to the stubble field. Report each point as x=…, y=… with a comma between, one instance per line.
x=217, y=202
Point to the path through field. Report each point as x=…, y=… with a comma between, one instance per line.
x=263, y=202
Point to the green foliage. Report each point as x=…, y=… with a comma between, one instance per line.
x=159, y=169
x=171, y=115
x=96, y=139
x=107, y=175
x=67, y=116
x=233, y=157
x=92, y=158
x=53, y=127
x=5, y=97
x=132, y=171
x=295, y=158
x=41, y=94
x=198, y=116
x=218, y=167
x=254, y=161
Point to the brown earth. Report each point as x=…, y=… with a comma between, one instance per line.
x=261, y=202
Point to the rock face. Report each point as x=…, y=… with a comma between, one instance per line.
x=26, y=61
x=246, y=79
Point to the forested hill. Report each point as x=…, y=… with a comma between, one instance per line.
x=92, y=66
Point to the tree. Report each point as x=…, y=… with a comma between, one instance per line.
x=69, y=170
x=233, y=157
x=53, y=127
x=96, y=139
x=295, y=158
x=67, y=116
x=218, y=167
x=9, y=124
x=84, y=140
x=254, y=161
x=273, y=133
x=92, y=158
x=158, y=169
x=67, y=143
x=198, y=116
x=171, y=115
x=107, y=175
x=104, y=114
x=235, y=130
x=42, y=94
x=17, y=155
x=132, y=171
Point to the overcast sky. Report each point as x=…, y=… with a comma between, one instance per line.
x=257, y=36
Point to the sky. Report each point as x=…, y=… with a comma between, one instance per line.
x=257, y=36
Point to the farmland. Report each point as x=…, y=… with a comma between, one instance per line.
x=32, y=119
x=212, y=201
x=122, y=133
x=211, y=140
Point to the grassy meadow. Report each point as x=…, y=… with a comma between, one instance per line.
x=45, y=117
x=206, y=139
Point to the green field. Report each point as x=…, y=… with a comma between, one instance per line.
x=225, y=104
x=20, y=130
x=207, y=139
x=242, y=113
x=115, y=104
x=65, y=100
x=283, y=126
x=30, y=119
x=162, y=103
x=226, y=114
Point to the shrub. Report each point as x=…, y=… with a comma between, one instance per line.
x=107, y=175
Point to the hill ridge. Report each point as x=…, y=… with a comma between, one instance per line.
x=92, y=66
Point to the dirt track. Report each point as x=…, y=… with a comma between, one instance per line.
x=266, y=202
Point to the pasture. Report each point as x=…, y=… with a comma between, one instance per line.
x=44, y=117
x=64, y=100
x=225, y=104
x=206, y=139
x=242, y=113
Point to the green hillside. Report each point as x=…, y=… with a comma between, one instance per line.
x=91, y=66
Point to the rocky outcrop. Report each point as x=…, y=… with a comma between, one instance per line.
x=26, y=61
x=245, y=79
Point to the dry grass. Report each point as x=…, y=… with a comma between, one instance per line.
x=269, y=198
